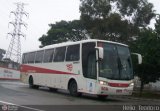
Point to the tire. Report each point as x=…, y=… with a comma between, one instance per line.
x=31, y=83
x=73, y=89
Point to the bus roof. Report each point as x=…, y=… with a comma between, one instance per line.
x=73, y=43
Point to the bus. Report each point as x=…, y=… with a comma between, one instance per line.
x=91, y=66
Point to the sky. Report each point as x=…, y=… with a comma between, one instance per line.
x=41, y=13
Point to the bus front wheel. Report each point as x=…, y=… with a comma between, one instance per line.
x=73, y=89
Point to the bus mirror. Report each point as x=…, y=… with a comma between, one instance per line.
x=139, y=57
x=100, y=52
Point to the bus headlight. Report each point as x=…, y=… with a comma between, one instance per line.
x=102, y=82
x=132, y=84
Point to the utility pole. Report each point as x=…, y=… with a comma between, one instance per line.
x=14, y=50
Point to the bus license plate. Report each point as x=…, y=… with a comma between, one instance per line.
x=118, y=91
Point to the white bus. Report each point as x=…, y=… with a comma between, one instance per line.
x=90, y=66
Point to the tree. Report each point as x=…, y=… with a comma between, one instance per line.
x=157, y=26
x=116, y=20
x=111, y=28
x=63, y=31
x=148, y=45
x=139, y=11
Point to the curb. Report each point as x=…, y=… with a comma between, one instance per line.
x=136, y=98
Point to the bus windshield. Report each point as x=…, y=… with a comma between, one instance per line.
x=116, y=64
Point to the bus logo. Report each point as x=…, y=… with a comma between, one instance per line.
x=69, y=67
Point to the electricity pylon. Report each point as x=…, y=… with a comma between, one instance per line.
x=14, y=50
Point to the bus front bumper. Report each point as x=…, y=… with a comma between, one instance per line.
x=108, y=90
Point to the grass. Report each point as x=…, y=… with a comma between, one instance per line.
x=147, y=95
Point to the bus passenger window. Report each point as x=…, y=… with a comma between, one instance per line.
x=73, y=53
x=24, y=58
x=30, y=57
x=48, y=56
x=39, y=56
x=59, y=54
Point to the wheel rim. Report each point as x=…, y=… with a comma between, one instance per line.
x=74, y=88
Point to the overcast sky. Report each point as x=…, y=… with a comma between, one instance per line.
x=41, y=13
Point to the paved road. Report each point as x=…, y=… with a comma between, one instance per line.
x=15, y=96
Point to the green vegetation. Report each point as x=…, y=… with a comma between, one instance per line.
x=147, y=95
x=63, y=31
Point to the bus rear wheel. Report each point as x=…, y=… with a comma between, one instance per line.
x=31, y=83
x=73, y=89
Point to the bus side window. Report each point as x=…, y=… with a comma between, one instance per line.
x=24, y=58
x=30, y=57
x=89, y=60
x=59, y=54
x=39, y=56
x=48, y=56
x=73, y=53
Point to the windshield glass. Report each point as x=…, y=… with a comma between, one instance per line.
x=116, y=64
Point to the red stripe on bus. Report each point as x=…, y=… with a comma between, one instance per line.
x=118, y=84
x=8, y=79
x=33, y=69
